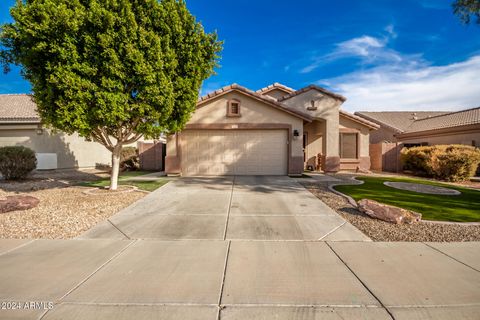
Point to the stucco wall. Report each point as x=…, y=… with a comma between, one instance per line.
x=382, y=135
x=252, y=111
x=363, y=132
x=461, y=138
x=314, y=144
x=276, y=93
x=327, y=109
x=72, y=151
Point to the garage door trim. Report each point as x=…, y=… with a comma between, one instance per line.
x=243, y=126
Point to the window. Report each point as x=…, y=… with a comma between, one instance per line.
x=349, y=145
x=233, y=108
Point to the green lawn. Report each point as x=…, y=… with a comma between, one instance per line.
x=461, y=208
x=142, y=185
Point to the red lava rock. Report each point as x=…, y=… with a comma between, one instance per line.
x=12, y=203
x=388, y=213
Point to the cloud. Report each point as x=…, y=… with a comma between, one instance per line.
x=413, y=85
x=390, y=29
x=367, y=49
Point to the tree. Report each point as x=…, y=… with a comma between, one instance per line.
x=111, y=70
x=466, y=9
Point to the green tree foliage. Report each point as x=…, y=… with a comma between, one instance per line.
x=111, y=70
x=466, y=9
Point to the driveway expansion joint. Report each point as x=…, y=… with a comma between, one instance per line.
x=360, y=280
x=229, y=208
x=113, y=225
x=446, y=254
x=223, y=280
x=131, y=242
x=332, y=231
x=18, y=247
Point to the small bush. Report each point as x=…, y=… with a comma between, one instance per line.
x=445, y=162
x=129, y=160
x=16, y=162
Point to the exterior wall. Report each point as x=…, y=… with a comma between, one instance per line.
x=72, y=151
x=254, y=115
x=276, y=93
x=385, y=156
x=327, y=110
x=382, y=135
x=363, y=132
x=151, y=155
x=459, y=138
x=314, y=145
x=363, y=142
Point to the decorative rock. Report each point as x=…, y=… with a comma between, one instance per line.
x=388, y=213
x=13, y=203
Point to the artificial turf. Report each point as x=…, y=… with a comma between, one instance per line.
x=459, y=208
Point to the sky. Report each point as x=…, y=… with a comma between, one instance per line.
x=382, y=55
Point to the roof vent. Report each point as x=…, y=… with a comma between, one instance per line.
x=414, y=116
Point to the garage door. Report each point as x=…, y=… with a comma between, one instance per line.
x=234, y=152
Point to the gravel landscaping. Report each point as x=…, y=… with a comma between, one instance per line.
x=379, y=230
x=65, y=211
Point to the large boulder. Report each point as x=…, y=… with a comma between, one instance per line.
x=13, y=203
x=388, y=213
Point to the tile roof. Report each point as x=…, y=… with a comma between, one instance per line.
x=265, y=98
x=313, y=87
x=361, y=120
x=449, y=120
x=399, y=121
x=274, y=86
x=18, y=108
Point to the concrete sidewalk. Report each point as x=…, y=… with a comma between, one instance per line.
x=209, y=279
x=238, y=248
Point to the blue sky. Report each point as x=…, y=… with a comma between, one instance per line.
x=380, y=54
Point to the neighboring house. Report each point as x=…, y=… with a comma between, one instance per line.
x=21, y=125
x=393, y=122
x=407, y=129
x=273, y=131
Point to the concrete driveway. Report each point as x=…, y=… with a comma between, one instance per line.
x=235, y=249
x=231, y=208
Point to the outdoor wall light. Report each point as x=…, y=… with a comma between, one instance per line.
x=296, y=134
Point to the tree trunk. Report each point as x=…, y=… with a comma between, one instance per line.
x=115, y=167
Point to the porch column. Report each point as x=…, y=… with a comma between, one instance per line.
x=331, y=145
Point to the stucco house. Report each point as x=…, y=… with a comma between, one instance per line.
x=273, y=131
x=21, y=125
x=408, y=129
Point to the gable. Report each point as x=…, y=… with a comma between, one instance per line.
x=276, y=93
x=252, y=110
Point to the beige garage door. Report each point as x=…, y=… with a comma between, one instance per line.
x=234, y=152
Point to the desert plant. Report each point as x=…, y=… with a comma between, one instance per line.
x=129, y=160
x=445, y=162
x=16, y=162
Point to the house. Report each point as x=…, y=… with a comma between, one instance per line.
x=273, y=131
x=408, y=129
x=21, y=125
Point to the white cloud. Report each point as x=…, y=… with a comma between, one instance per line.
x=411, y=85
x=368, y=49
x=390, y=29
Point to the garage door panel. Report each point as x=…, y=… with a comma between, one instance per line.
x=239, y=152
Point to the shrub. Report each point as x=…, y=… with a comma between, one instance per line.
x=446, y=162
x=16, y=162
x=129, y=160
